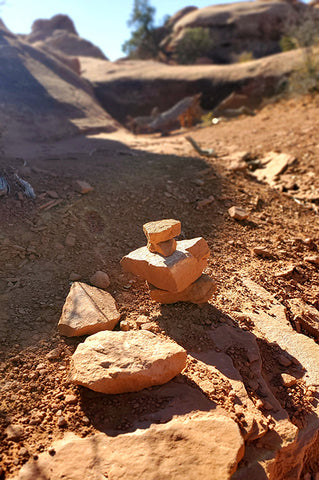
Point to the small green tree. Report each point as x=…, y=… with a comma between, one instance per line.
x=142, y=43
x=303, y=35
x=195, y=43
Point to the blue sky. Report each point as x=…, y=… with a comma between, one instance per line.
x=103, y=22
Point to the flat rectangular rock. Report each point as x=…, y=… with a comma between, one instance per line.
x=199, y=291
x=174, y=273
x=162, y=230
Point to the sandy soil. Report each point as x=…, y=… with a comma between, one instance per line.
x=63, y=235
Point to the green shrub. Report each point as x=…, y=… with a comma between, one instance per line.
x=195, y=43
x=244, y=57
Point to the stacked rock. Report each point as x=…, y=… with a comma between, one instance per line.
x=173, y=269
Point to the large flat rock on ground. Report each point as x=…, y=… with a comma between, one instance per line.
x=87, y=310
x=173, y=273
x=206, y=446
x=118, y=362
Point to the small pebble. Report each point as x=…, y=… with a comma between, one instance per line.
x=100, y=280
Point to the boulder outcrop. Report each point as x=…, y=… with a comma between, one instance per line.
x=59, y=33
x=42, y=99
x=118, y=362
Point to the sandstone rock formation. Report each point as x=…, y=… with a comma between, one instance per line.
x=59, y=34
x=159, y=85
x=43, y=100
x=87, y=310
x=208, y=445
x=118, y=362
x=254, y=27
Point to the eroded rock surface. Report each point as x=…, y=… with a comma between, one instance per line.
x=207, y=445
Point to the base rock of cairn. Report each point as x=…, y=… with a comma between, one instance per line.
x=173, y=269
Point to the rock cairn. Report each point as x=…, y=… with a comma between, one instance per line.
x=173, y=269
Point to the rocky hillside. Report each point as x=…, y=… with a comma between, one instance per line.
x=43, y=99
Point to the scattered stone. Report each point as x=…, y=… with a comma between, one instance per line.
x=14, y=432
x=70, y=399
x=238, y=213
x=151, y=327
x=162, y=230
x=206, y=201
x=174, y=273
x=163, y=248
x=100, y=279
x=207, y=444
x=87, y=310
x=199, y=291
x=261, y=251
x=286, y=273
x=273, y=164
x=141, y=319
x=119, y=362
x=52, y=194
x=74, y=277
x=54, y=354
x=124, y=326
x=83, y=187
x=70, y=240
x=284, y=361
x=23, y=452
x=306, y=315
x=312, y=259
x=61, y=421
x=288, y=380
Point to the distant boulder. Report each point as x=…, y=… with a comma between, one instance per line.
x=59, y=34
x=44, y=28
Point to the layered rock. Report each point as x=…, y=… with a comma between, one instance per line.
x=208, y=445
x=87, y=310
x=173, y=272
x=118, y=362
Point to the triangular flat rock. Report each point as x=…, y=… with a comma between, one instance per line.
x=87, y=310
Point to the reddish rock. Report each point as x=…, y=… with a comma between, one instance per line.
x=83, y=187
x=14, y=432
x=162, y=230
x=209, y=445
x=163, y=248
x=87, y=310
x=118, y=362
x=198, y=292
x=174, y=273
x=238, y=213
x=100, y=279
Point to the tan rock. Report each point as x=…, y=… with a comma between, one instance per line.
x=312, y=259
x=163, y=248
x=162, y=230
x=83, y=187
x=174, y=273
x=118, y=362
x=273, y=164
x=100, y=279
x=306, y=315
x=288, y=380
x=198, y=292
x=87, y=310
x=202, y=446
x=238, y=213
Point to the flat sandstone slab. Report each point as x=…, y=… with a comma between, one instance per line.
x=198, y=292
x=174, y=273
x=87, y=310
x=119, y=362
x=204, y=446
x=162, y=230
